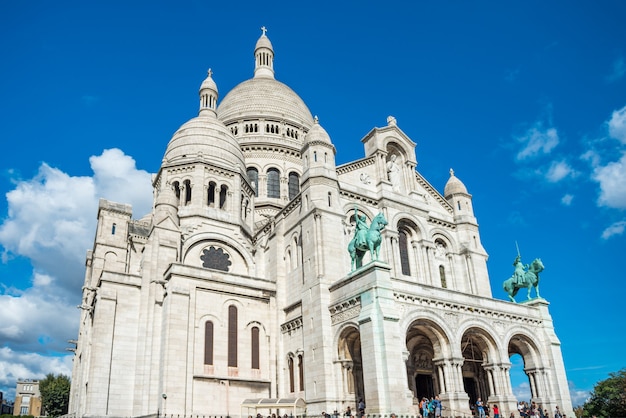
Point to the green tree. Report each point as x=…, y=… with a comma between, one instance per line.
x=608, y=398
x=55, y=394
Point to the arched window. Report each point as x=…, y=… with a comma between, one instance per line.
x=254, y=337
x=176, y=187
x=294, y=185
x=223, y=192
x=232, y=336
x=442, y=276
x=211, y=194
x=187, y=192
x=301, y=371
x=113, y=229
x=208, y=343
x=291, y=383
x=403, y=245
x=253, y=176
x=273, y=183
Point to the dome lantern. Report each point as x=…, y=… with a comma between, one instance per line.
x=264, y=57
x=208, y=96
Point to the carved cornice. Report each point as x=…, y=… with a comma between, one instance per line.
x=441, y=222
x=219, y=172
x=345, y=310
x=433, y=193
x=291, y=326
x=346, y=168
x=359, y=197
x=262, y=150
x=181, y=169
x=451, y=307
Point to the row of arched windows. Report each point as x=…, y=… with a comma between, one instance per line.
x=273, y=182
x=270, y=128
x=216, y=194
x=232, y=341
x=292, y=382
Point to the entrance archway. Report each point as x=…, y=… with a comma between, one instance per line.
x=476, y=346
x=351, y=364
x=426, y=343
x=537, y=378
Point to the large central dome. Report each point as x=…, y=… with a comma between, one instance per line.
x=263, y=97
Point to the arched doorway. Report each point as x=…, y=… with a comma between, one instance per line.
x=349, y=351
x=426, y=343
x=536, y=374
x=476, y=347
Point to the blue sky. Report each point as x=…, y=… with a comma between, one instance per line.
x=526, y=100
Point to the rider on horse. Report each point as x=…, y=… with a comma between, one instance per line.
x=361, y=228
x=518, y=274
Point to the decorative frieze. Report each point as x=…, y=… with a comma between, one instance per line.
x=456, y=307
x=291, y=326
x=345, y=310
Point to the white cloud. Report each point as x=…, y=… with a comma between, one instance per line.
x=36, y=316
x=618, y=70
x=567, y=199
x=16, y=365
x=558, y=171
x=537, y=141
x=612, y=180
x=522, y=392
x=578, y=396
x=52, y=217
x=51, y=221
x=615, y=229
x=617, y=125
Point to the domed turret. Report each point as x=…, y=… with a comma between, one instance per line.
x=317, y=134
x=264, y=57
x=208, y=95
x=205, y=136
x=456, y=194
x=318, y=153
x=454, y=186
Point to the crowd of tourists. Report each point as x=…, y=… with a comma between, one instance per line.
x=432, y=408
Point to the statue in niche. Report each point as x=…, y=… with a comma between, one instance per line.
x=394, y=173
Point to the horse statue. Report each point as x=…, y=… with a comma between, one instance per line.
x=528, y=279
x=366, y=239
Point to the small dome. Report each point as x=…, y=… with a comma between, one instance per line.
x=208, y=82
x=264, y=98
x=263, y=42
x=317, y=134
x=206, y=138
x=454, y=186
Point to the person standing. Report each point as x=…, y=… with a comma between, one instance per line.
x=481, y=408
x=557, y=413
x=437, y=405
x=496, y=411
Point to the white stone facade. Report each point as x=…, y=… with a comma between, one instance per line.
x=238, y=284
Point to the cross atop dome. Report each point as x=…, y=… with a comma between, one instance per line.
x=264, y=56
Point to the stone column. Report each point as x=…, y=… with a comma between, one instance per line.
x=384, y=371
x=416, y=260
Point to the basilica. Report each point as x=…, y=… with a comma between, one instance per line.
x=238, y=294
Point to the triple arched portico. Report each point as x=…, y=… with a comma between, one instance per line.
x=446, y=346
